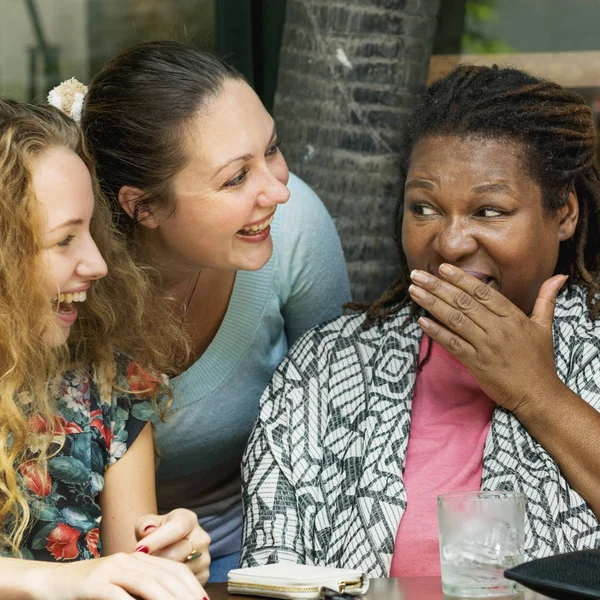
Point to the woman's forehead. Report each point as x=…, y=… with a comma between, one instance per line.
x=234, y=125
x=472, y=156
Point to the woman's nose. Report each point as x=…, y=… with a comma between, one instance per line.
x=455, y=240
x=92, y=265
x=273, y=191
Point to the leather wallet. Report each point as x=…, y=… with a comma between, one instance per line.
x=571, y=576
x=290, y=581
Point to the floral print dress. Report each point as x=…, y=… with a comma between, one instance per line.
x=65, y=509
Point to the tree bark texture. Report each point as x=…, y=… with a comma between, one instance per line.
x=349, y=74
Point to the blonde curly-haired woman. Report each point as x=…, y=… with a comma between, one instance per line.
x=76, y=451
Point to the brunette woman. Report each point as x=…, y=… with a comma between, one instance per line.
x=245, y=254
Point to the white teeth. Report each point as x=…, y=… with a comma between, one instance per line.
x=257, y=228
x=75, y=297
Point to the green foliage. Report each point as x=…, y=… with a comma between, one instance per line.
x=473, y=43
x=474, y=40
x=482, y=10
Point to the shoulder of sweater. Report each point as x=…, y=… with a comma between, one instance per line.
x=305, y=241
x=304, y=202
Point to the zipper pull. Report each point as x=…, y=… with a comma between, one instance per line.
x=329, y=594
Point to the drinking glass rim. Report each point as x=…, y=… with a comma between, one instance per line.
x=481, y=495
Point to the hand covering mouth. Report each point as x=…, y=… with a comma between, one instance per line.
x=484, y=277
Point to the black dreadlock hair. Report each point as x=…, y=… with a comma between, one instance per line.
x=555, y=127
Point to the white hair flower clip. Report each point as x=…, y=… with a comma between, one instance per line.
x=69, y=97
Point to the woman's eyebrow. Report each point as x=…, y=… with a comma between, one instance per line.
x=244, y=157
x=502, y=188
x=70, y=223
x=421, y=184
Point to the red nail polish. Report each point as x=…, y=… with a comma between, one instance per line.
x=143, y=549
x=149, y=527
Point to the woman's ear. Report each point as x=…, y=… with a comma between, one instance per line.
x=569, y=216
x=132, y=202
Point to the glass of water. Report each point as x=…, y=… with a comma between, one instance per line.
x=481, y=535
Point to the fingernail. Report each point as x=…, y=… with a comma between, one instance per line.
x=419, y=277
x=143, y=549
x=149, y=527
x=416, y=292
x=446, y=269
x=424, y=323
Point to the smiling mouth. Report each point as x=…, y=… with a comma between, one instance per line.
x=64, y=302
x=256, y=229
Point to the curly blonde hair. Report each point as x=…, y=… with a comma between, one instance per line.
x=117, y=314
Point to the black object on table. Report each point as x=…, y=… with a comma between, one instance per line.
x=571, y=576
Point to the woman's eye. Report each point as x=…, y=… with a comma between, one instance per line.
x=66, y=241
x=490, y=212
x=423, y=210
x=273, y=149
x=237, y=180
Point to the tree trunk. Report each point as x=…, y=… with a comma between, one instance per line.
x=349, y=72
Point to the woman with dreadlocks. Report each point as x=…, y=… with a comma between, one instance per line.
x=478, y=367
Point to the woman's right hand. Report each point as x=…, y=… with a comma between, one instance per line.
x=117, y=577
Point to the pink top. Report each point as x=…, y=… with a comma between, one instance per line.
x=450, y=420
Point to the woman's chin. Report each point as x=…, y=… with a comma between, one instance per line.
x=253, y=258
x=56, y=335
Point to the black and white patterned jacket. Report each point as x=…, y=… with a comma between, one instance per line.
x=323, y=469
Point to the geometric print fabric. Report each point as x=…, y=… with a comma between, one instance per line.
x=323, y=470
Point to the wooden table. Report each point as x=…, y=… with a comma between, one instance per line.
x=407, y=588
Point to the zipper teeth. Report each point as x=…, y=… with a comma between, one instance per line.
x=272, y=588
x=350, y=585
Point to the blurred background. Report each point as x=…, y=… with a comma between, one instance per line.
x=45, y=41
x=340, y=76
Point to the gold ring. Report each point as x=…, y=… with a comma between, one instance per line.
x=194, y=554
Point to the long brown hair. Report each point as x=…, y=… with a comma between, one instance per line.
x=134, y=119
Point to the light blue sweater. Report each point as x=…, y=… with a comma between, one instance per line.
x=216, y=400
